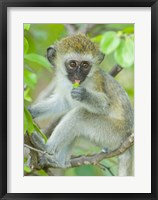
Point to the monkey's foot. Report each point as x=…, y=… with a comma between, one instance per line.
x=38, y=141
x=47, y=160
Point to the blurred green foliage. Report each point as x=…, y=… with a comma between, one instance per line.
x=115, y=40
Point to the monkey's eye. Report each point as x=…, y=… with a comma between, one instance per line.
x=72, y=64
x=85, y=65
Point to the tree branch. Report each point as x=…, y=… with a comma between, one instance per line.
x=115, y=70
x=70, y=28
x=93, y=159
x=96, y=158
x=86, y=29
x=104, y=168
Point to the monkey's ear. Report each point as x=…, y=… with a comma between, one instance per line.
x=51, y=54
x=101, y=57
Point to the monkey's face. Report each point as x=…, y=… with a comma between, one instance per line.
x=77, y=70
x=75, y=56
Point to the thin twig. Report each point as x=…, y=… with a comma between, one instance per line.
x=70, y=28
x=86, y=28
x=34, y=149
x=115, y=70
x=104, y=167
x=96, y=158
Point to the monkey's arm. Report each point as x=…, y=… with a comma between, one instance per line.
x=95, y=102
x=52, y=105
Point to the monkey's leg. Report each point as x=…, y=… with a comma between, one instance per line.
x=47, y=159
x=38, y=141
x=60, y=142
x=126, y=163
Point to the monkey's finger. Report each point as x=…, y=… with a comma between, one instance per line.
x=76, y=97
x=79, y=89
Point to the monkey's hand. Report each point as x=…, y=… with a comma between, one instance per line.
x=78, y=93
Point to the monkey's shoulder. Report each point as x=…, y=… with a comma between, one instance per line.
x=111, y=86
x=118, y=97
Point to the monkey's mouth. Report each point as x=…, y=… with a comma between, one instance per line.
x=76, y=80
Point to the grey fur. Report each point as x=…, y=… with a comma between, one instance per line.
x=105, y=118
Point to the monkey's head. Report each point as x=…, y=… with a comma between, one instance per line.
x=77, y=57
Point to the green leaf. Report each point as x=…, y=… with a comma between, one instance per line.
x=76, y=85
x=28, y=122
x=25, y=123
x=30, y=126
x=25, y=159
x=88, y=171
x=41, y=172
x=132, y=37
x=39, y=131
x=26, y=46
x=27, y=169
x=27, y=96
x=97, y=39
x=38, y=59
x=26, y=27
x=44, y=35
x=124, y=54
x=110, y=41
x=30, y=78
x=128, y=30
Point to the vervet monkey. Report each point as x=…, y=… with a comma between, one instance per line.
x=99, y=109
